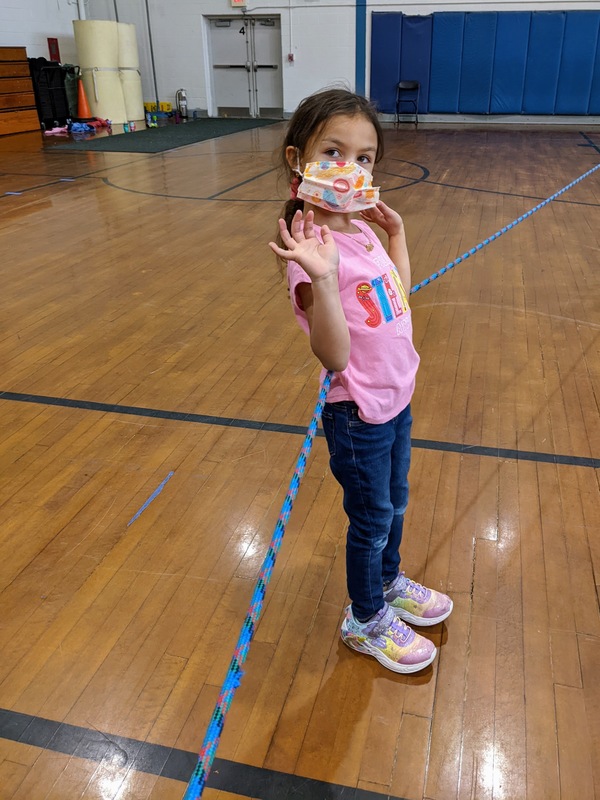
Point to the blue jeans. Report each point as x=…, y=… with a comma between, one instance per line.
x=371, y=464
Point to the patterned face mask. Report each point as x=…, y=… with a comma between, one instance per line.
x=341, y=186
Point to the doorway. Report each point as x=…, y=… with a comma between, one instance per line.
x=246, y=64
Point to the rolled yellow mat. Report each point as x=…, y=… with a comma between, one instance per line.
x=129, y=66
x=108, y=56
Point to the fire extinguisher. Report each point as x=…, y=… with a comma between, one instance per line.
x=181, y=103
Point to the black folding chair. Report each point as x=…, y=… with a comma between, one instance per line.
x=408, y=92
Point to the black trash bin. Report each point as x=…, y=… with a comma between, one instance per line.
x=51, y=99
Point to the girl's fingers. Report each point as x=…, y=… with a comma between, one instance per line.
x=283, y=228
x=302, y=229
x=297, y=226
x=328, y=239
x=289, y=244
x=286, y=238
x=285, y=254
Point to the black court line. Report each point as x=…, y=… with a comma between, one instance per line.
x=215, y=198
x=34, y=188
x=241, y=183
x=507, y=453
x=505, y=194
x=276, y=427
x=154, y=759
x=155, y=413
x=218, y=196
x=589, y=142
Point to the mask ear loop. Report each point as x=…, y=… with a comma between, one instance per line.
x=297, y=179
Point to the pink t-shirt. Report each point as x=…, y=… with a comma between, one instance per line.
x=380, y=376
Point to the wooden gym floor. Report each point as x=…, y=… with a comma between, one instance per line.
x=149, y=353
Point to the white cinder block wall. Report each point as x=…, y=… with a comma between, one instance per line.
x=29, y=23
x=320, y=34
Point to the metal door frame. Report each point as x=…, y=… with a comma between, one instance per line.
x=250, y=66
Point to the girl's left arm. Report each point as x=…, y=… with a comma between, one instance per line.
x=393, y=224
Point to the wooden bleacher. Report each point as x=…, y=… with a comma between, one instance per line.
x=17, y=99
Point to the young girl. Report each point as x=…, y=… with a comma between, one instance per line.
x=350, y=296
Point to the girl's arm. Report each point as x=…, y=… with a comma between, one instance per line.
x=393, y=224
x=320, y=300
x=329, y=335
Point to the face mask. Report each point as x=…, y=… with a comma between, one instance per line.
x=341, y=186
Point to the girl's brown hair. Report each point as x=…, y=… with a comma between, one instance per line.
x=307, y=122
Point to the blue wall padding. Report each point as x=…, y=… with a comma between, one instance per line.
x=446, y=58
x=543, y=61
x=479, y=42
x=415, y=57
x=577, y=64
x=505, y=62
x=386, y=29
x=594, y=106
x=510, y=59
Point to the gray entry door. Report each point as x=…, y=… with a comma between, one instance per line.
x=246, y=61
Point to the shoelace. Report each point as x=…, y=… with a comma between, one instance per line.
x=416, y=589
x=393, y=627
x=399, y=631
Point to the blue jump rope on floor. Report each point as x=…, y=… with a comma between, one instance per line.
x=234, y=674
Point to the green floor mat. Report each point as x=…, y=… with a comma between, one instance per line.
x=167, y=137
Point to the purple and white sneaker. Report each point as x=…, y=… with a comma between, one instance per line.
x=417, y=604
x=389, y=640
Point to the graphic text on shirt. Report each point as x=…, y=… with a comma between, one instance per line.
x=382, y=299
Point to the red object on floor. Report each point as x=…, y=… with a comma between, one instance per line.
x=99, y=123
x=83, y=108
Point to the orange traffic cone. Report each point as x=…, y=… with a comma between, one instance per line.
x=83, y=108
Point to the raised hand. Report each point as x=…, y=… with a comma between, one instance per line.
x=385, y=217
x=318, y=259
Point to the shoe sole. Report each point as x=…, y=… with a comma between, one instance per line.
x=421, y=622
x=394, y=666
